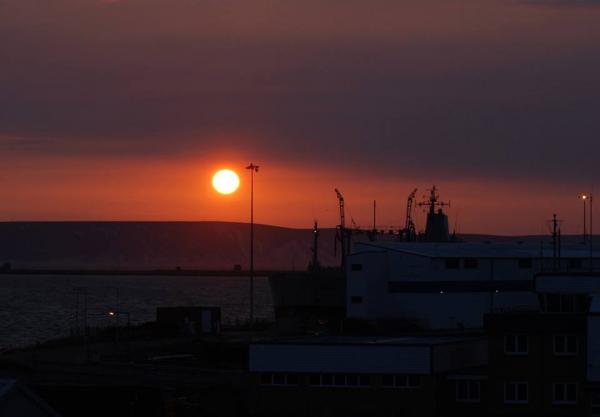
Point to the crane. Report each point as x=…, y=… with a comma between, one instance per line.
x=343, y=234
x=342, y=212
x=409, y=225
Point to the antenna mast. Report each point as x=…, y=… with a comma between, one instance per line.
x=314, y=264
x=433, y=201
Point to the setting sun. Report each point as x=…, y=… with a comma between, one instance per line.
x=225, y=181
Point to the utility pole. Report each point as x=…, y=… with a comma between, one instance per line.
x=374, y=215
x=554, y=239
x=253, y=168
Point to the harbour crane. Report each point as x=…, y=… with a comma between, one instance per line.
x=342, y=234
x=342, y=211
x=409, y=225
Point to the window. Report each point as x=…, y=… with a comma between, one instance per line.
x=356, y=299
x=564, y=303
x=565, y=345
x=452, y=263
x=516, y=392
x=357, y=267
x=278, y=379
x=471, y=263
x=595, y=404
x=401, y=381
x=314, y=380
x=575, y=263
x=468, y=391
x=516, y=344
x=565, y=393
x=525, y=263
x=338, y=380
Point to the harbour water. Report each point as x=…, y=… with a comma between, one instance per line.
x=36, y=308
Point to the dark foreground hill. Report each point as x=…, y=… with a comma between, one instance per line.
x=129, y=245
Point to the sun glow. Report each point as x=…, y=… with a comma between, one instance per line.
x=225, y=181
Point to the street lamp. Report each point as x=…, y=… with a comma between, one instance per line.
x=584, y=199
x=115, y=314
x=253, y=168
x=591, y=234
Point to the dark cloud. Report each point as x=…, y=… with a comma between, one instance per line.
x=562, y=3
x=492, y=92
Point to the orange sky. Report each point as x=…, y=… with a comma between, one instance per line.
x=123, y=109
x=154, y=189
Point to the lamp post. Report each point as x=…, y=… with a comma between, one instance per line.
x=115, y=314
x=584, y=199
x=591, y=234
x=253, y=168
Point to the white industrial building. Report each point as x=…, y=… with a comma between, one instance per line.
x=449, y=285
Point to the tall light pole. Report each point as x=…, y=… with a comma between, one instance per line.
x=584, y=199
x=253, y=168
x=591, y=234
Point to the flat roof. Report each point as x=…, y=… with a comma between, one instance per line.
x=372, y=340
x=475, y=250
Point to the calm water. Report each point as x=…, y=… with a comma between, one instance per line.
x=41, y=307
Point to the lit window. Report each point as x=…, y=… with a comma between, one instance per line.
x=516, y=392
x=516, y=344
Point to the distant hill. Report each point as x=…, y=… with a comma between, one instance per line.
x=130, y=245
x=203, y=245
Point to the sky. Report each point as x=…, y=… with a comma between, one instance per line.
x=123, y=109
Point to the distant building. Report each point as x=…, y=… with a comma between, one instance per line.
x=190, y=320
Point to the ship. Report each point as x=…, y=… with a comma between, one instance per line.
x=395, y=278
x=317, y=297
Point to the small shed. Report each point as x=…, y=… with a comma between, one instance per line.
x=191, y=320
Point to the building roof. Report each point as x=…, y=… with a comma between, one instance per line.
x=385, y=355
x=475, y=250
x=372, y=340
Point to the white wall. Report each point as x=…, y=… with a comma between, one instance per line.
x=431, y=310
